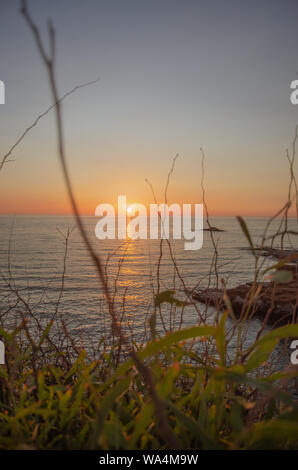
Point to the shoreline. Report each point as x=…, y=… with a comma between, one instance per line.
x=273, y=302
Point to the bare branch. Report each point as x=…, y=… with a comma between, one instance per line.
x=165, y=429
x=77, y=87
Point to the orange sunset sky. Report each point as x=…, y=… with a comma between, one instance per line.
x=172, y=79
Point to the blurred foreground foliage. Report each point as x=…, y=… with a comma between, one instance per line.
x=46, y=403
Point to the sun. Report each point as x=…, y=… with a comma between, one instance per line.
x=129, y=210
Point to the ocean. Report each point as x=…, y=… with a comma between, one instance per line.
x=32, y=252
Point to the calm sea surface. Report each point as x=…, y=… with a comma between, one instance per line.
x=34, y=248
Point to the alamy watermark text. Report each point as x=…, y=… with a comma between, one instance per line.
x=133, y=222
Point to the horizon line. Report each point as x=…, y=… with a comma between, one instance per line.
x=92, y=215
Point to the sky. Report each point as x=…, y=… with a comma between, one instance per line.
x=175, y=76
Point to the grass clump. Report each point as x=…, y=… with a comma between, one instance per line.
x=208, y=401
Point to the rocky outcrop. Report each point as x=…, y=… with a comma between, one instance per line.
x=276, y=253
x=272, y=302
x=212, y=229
